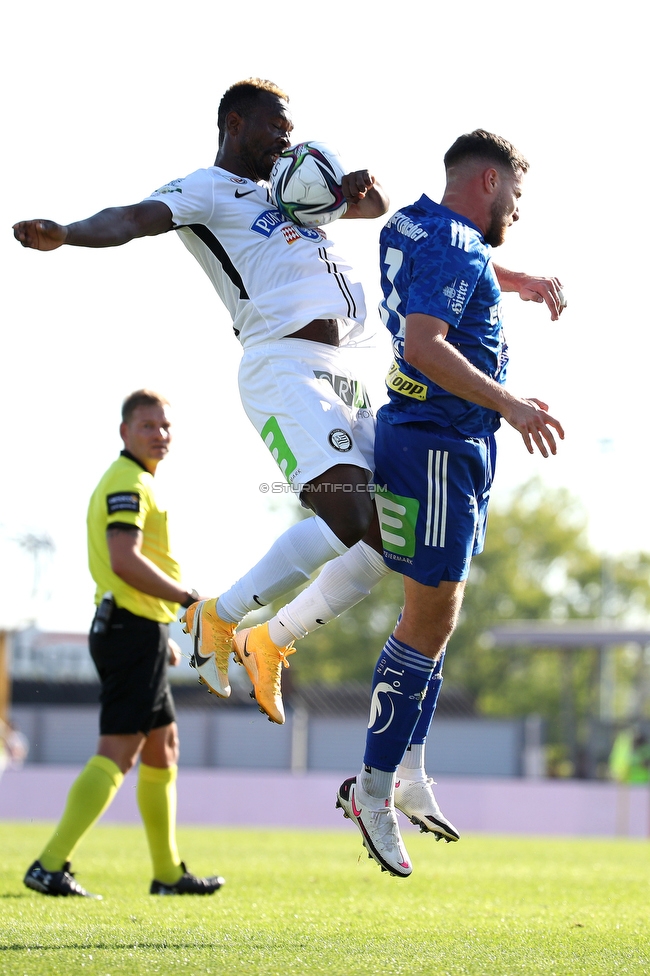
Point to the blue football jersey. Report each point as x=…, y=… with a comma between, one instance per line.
x=435, y=262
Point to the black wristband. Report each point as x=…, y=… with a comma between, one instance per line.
x=192, y=598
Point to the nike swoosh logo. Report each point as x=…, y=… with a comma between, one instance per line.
x=245, y=193
x=246, y=653
x=199, y=660
x=355, y=810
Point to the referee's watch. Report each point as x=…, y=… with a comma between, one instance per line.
x=192, y=597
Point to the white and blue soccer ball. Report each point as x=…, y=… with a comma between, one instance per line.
x=306, y=184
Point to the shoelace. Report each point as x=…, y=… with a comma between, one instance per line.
x=224, y=643
x=431, y=782
x=428, y=783
x=389, y=834
x=284, y=653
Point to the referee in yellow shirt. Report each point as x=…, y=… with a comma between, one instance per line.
x=138, y=595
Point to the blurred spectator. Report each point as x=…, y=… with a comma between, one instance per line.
x=629, y=760
x=13, y=746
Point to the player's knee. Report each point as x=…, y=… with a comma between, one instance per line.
x=350, y=524
x=126, y=763
x=172, y=746
x=342, y=498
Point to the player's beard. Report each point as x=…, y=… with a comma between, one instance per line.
x=495, y=234
x=257, y=162
x=264, y=165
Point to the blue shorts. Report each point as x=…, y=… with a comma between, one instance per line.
x=432, y=491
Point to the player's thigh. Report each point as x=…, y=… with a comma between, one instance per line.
x=343, y=497
x=311, y=413
x=432, y=487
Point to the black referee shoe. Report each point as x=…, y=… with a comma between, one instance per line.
x=55, y=882
x=187, y=884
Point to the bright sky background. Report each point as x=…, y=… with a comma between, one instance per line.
x=106, y=102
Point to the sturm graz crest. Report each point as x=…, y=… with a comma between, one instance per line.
x=340, y=440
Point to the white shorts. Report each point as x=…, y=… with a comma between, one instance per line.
x=310, y=411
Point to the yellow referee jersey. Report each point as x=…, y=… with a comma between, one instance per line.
x=126, y=494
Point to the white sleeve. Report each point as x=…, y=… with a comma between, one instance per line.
x=191, y=199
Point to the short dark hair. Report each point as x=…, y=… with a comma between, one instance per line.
x=480, y=144
x=242, y=96
x=141, y=398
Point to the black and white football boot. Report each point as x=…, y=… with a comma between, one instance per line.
x=55, y=882
x=377, y=822
x=417, y=802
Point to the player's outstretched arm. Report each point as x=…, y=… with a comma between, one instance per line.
x=109, y=228
x=426, y=348
x=534, y=288
x=365, y=196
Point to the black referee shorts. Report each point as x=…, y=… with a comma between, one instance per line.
x=131, y=659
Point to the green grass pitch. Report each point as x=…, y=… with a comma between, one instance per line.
x=301, y=902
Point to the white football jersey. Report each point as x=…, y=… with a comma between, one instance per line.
x=273, y=276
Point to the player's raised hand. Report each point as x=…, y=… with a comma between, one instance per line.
x=531, y=419
x=355, y=185
x=549, y=290
x=364, y=195
x=42, y=235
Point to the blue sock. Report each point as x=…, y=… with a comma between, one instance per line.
x=400, y=681
x=421, y=730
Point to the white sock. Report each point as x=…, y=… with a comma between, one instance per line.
x=342, y=583
x=412, y=765
x=291, y=560
x=376, y=782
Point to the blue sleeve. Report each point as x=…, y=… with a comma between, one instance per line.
x=443, y=277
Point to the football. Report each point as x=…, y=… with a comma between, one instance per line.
x=306, y=184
